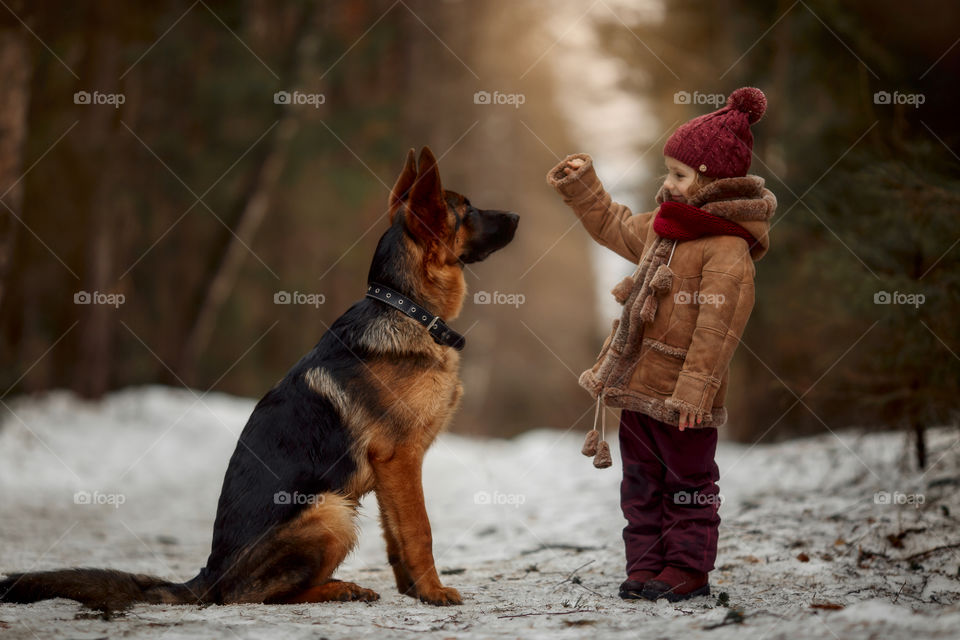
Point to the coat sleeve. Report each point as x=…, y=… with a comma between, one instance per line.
x=725, y=300
x=609, y=223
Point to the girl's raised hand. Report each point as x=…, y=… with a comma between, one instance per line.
x=573, y=165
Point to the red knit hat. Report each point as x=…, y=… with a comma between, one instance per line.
x=719, y=144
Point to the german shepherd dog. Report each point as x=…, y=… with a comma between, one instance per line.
x=354, y=415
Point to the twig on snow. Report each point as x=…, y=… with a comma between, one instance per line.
x=897, y=597
x=548, y=613
x=570, y=577
x=922, y=554
x=561, y=547
x=384, y=626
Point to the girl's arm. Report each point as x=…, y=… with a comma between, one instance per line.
x=611, y=224
x=726, y=299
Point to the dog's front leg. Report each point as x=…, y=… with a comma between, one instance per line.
x=399, y=489
x=400, y=571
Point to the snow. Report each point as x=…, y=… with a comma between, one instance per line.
x=526, y=529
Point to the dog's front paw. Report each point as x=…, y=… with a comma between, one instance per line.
x=440, y=596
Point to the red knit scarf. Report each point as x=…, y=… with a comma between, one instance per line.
x=680, y=221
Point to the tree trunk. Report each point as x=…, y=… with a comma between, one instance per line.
x=920, y=435
x=225, y=277
x=266, y=176
x=96, y=132
x=15, y=68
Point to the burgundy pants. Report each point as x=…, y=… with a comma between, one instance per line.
x=668, y=494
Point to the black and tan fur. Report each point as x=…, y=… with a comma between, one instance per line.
x=354, y=415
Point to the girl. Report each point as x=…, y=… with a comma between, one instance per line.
x=666, y=361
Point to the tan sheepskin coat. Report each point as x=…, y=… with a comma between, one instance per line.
x=686, y=305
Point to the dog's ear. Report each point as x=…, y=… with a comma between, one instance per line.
x=401, y=188
x=426, y=206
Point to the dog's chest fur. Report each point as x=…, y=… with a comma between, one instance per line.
x=404, y=394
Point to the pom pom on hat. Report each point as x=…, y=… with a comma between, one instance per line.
x=750, y=101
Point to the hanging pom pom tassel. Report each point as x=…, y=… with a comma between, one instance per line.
x=662, y=280
x=623, y=289
x=649, y=309
x=603, y=458
x=593, y=436
x=590, y=443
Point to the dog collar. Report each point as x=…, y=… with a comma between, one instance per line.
x=436, y=327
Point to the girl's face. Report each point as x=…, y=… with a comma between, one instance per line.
x=679, y=179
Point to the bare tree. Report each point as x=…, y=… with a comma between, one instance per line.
x=254, y=205
x=16, y=68
x=93, y=183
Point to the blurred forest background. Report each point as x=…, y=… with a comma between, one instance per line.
x=200, y=196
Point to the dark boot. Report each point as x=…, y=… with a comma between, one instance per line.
x=675, y=584
x=632, y=587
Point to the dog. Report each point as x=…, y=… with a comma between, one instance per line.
x=356, y=414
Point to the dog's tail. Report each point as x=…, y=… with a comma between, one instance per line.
x=102, y=589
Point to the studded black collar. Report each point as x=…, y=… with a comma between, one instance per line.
x=436, y=327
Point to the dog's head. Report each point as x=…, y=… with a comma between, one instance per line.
x=443, y=231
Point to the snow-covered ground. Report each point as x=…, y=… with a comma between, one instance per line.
x=526, y=529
